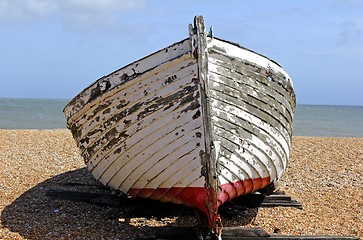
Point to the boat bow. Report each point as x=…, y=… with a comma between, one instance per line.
x=197, y=123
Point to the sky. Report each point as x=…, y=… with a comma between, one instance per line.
x=56, y=48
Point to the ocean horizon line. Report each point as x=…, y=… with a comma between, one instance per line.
x=298, y=104
x=65, y=128
x=309, y=119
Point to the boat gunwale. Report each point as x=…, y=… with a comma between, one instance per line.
x=79, y=95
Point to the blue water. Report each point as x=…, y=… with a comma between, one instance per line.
x=19, y=113
x=328, y=121
x=310, y=120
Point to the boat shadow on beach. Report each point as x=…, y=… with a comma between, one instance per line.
x=37, y=213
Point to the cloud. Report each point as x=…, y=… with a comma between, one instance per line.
x=73, y=13
x=101, y=6
x=8, y=11
x=101, y=15
x=41, y=7
x=350, y=31
x=23, y=10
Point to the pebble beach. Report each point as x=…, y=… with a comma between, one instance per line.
x=324, y=174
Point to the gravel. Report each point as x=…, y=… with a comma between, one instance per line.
x=325, y=175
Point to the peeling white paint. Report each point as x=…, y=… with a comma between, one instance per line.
x=200, y=113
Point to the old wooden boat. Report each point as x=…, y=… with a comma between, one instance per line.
x=197, y=123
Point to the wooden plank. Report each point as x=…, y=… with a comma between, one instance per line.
x=80, y=103
x=177, y=232
x=229, y=233
x=209, y=156
x=233, y=52
x=259, y=108
x=80, y=196
x=232, y=233
x=251, y=85
x=303, y=237
x=141, y=89
x=244, y=231
x=194, y=233
x=257, y=83
x=261, y=200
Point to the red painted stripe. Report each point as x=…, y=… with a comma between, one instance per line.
x=228, y=190
x=196, y=196
x=190, y=196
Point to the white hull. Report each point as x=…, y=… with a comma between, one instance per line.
x=198, y=123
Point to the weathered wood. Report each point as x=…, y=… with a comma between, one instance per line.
x=210, y=155
x=99, y=194
x=260, y=83
x=179, y=232
x=232, y=233
x=191, y=233
x=79, y=196
x=297, y=237
x=255, y=64
x=262, y=200
x=198, y=123
x=244, y=231
x=194, y=233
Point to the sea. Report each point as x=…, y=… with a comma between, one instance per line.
x=309, y=120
